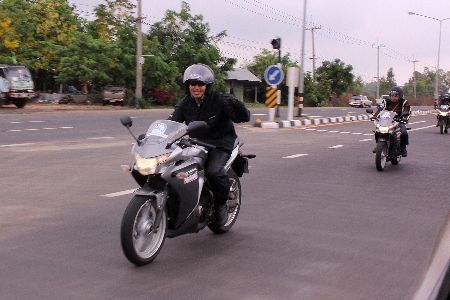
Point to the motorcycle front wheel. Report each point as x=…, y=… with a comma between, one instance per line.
x=441, y=126
x=142, y=240
x=233, y=203
x=380, y=156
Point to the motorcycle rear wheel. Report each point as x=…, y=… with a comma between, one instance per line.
x=234, y=204
x=140, y=244
x=381, y=156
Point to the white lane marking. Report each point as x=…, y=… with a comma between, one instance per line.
x=333, y=131
x=345, y=132
x=295, y=155
x=100, y=138
x=14, y=130
x=49, y=128
x=357, y=133
x=16, y=145
x=259, y=114
x=336, y=146
x=36, y=121
x=321, y=130
x=66, y=127
x=368, y=134
x=365, y=140
x=32, y=129
x=418, y=122
x=309, y=129
x=422, y=128
x=15, y=122
x=112, y=195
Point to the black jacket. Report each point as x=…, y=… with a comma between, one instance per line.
x=219, y=111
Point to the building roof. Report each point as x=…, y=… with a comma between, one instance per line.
x=242, y=75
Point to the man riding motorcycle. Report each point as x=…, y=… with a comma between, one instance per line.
x=444, y=100
x=219, y=111
x=399, y=105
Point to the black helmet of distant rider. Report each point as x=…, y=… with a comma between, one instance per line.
x=397, y=90
x=199, y=72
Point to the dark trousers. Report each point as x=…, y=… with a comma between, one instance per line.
x=217, y=176
x=404, y=139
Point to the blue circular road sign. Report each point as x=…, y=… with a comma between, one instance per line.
x=273, y=75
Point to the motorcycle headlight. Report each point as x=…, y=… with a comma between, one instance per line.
x=147, y=166
x=383, y=129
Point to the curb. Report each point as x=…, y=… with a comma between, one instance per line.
x=318, y=121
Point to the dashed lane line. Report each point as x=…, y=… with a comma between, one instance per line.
x=37, y=129
x=117, y=194
x=336, y=146
x=295, y=155
x=16, y=145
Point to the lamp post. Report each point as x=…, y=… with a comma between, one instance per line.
x=139, y=58
x=436, y=88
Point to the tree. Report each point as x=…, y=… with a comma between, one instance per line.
x=182, y=39
x=388, y=82
x=424, y=84
x=334, y=78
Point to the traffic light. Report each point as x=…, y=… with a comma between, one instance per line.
x=276, y=43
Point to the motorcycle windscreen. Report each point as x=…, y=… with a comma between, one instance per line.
x=386, y=118
x=158, y=135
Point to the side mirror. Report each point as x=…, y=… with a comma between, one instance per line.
x=196, y=126
x=126, y=121
x=369, y=110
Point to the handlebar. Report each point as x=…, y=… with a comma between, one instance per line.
x=203, y=144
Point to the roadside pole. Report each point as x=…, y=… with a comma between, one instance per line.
x=292, y=83
x=301, y=92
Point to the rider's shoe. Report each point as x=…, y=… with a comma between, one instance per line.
x=404, y=151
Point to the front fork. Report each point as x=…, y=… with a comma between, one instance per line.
x=156, y=198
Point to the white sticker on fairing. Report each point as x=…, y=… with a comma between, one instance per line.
x=159, y=130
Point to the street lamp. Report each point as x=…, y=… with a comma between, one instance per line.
x=436, y=89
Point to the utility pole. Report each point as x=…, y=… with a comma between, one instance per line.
x=313, y=50
x=414, y=77
x=139, y=58
x=301, y=84
x=378, y=68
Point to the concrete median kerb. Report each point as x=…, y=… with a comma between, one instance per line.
x=319, y=121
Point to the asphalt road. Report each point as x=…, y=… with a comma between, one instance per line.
x=317, y=222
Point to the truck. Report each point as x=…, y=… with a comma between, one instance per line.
x=16, y=85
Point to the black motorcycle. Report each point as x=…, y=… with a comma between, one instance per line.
x=174, y=197
x=387, y=136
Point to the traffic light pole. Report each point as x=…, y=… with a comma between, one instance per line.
x=276, y=44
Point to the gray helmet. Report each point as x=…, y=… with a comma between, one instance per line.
x=199, y=72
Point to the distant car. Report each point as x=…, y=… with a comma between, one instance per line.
x=360, y=101
x=114, y=95
x=380, y=100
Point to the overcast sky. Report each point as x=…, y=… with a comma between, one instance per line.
x=349, y=30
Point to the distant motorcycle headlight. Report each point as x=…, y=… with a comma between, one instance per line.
x=147, y=166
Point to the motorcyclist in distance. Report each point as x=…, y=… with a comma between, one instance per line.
x=444, y=100
x=219, y=111
x=397, y=104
